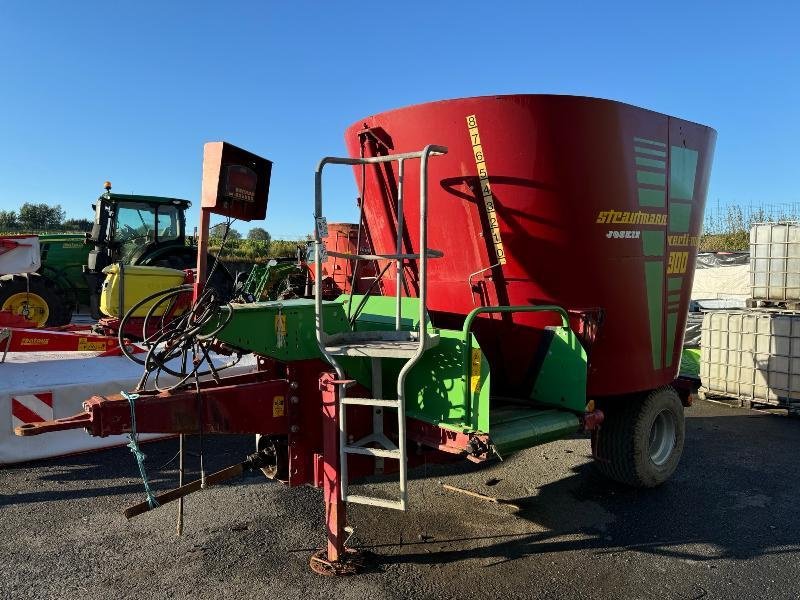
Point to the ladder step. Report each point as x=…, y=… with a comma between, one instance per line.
x=375, y=349
x=373, y=336
x=371, y=402
x=378, y=344
x=381, y=452
x=369, y=500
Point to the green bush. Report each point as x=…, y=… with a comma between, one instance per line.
x=727, y=229
x=255, y=251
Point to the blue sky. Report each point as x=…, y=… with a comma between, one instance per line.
x=130, y=91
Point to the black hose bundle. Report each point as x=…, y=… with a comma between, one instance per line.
x=183, y=336
x=186, y=337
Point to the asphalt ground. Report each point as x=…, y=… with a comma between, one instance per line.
x=725, y=526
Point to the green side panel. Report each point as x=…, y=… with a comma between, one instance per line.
x=64, y=249
x=63, y=258
x=679, y=217
x=650, y=197
x=435, y=388
x=651, y=162
x=674, y=298
x=682, y=170
x=519, y=428
x=690, y=362
x=674, y=283
x=653, y=243
x=378, y=312
x=255, y=328
x=642, y=140
x=672, y=324
x=650, y=151
x=561, y=380
x=650, y=178
x=654, y=280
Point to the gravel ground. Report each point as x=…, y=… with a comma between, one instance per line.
x=725, y=526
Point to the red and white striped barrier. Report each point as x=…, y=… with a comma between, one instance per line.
x=31, y=408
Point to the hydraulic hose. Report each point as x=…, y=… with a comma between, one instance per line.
x=179, y=336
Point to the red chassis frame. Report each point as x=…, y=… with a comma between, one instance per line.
x=297, y=401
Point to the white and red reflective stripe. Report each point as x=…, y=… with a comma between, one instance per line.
x=31, y=408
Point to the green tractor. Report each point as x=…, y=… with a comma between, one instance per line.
x=133, y=230
x=49, y=296
x=145, y=231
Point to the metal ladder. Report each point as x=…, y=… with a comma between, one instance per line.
x=377, y=345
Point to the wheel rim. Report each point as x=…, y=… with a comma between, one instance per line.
x=29, y=305
x=663, y=437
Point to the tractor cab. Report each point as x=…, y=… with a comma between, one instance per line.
x=140, y=226
x=136, y=230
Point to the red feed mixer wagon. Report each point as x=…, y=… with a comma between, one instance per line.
x=527, y=266
x=589, y=204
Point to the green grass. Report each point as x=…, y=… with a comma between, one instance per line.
x=690, y=362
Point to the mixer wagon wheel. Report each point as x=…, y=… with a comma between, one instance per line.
x=35, y=297
x=640, y=443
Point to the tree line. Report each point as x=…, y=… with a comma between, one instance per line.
x=40, y=217
x=258, y=234
x=258, y=246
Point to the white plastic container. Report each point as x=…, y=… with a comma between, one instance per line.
x=775, y=262
x=751, y=355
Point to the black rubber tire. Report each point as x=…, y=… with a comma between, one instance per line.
x=60, y=310
x=622, y=444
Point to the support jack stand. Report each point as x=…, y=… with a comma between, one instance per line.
x=351, y=562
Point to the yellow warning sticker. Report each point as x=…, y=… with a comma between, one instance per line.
x=278, y=406
x=84, y=345
x=475, y=370
x=486, y=188
x=280, y=330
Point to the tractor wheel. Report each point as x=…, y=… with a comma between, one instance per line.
x=640, y=443
x=36, y=298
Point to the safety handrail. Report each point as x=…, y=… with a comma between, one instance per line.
x=467, y=335
x=423, y=255
x=422, y=273
x=423, y=155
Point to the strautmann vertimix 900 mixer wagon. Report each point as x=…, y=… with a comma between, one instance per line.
x=531, y=263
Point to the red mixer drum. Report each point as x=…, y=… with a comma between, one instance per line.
x=590, y=204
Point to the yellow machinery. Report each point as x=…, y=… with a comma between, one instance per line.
x=130, y=284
